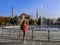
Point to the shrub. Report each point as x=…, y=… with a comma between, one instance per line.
x=31, y=22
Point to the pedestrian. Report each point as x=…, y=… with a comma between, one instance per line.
x=24, y=23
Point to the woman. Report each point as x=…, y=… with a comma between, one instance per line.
x=24, y=28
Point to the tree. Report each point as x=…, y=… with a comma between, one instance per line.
x=49, y=22
x=14, y=20
x=31, y=22
x=39, y=21
x=7, y=19
x=58, y=21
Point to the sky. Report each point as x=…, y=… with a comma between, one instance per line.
x=20, y=6
x=50, y=8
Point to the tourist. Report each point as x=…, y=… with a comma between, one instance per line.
x=24, y=29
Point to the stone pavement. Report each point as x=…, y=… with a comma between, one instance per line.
x=39, y=38
x=12, y=41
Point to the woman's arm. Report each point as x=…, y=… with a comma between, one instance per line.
x=25, y=25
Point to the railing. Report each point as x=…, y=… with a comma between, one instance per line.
x=48, y=33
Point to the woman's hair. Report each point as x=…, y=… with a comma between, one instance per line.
x=24, y=21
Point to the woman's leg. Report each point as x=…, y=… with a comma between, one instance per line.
x=23, y=36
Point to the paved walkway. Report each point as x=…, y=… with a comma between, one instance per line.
x=12, y=41
x=39, y=38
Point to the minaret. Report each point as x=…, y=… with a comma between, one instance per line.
x=12, y=12
x=36, y=14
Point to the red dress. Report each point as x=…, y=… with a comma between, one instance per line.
x=24, y=28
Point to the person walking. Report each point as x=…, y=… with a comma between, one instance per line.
x=24, y=23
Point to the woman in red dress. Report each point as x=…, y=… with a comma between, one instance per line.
x=24, y=28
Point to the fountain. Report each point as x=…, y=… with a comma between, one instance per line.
x=41, y=17
x=42, y=24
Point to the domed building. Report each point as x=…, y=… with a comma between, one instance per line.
x=24, y=16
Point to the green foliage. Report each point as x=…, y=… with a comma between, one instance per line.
x=14, y=20
x=58, y=19
x=49, y=22
x=39, y=21
x=31, y=22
